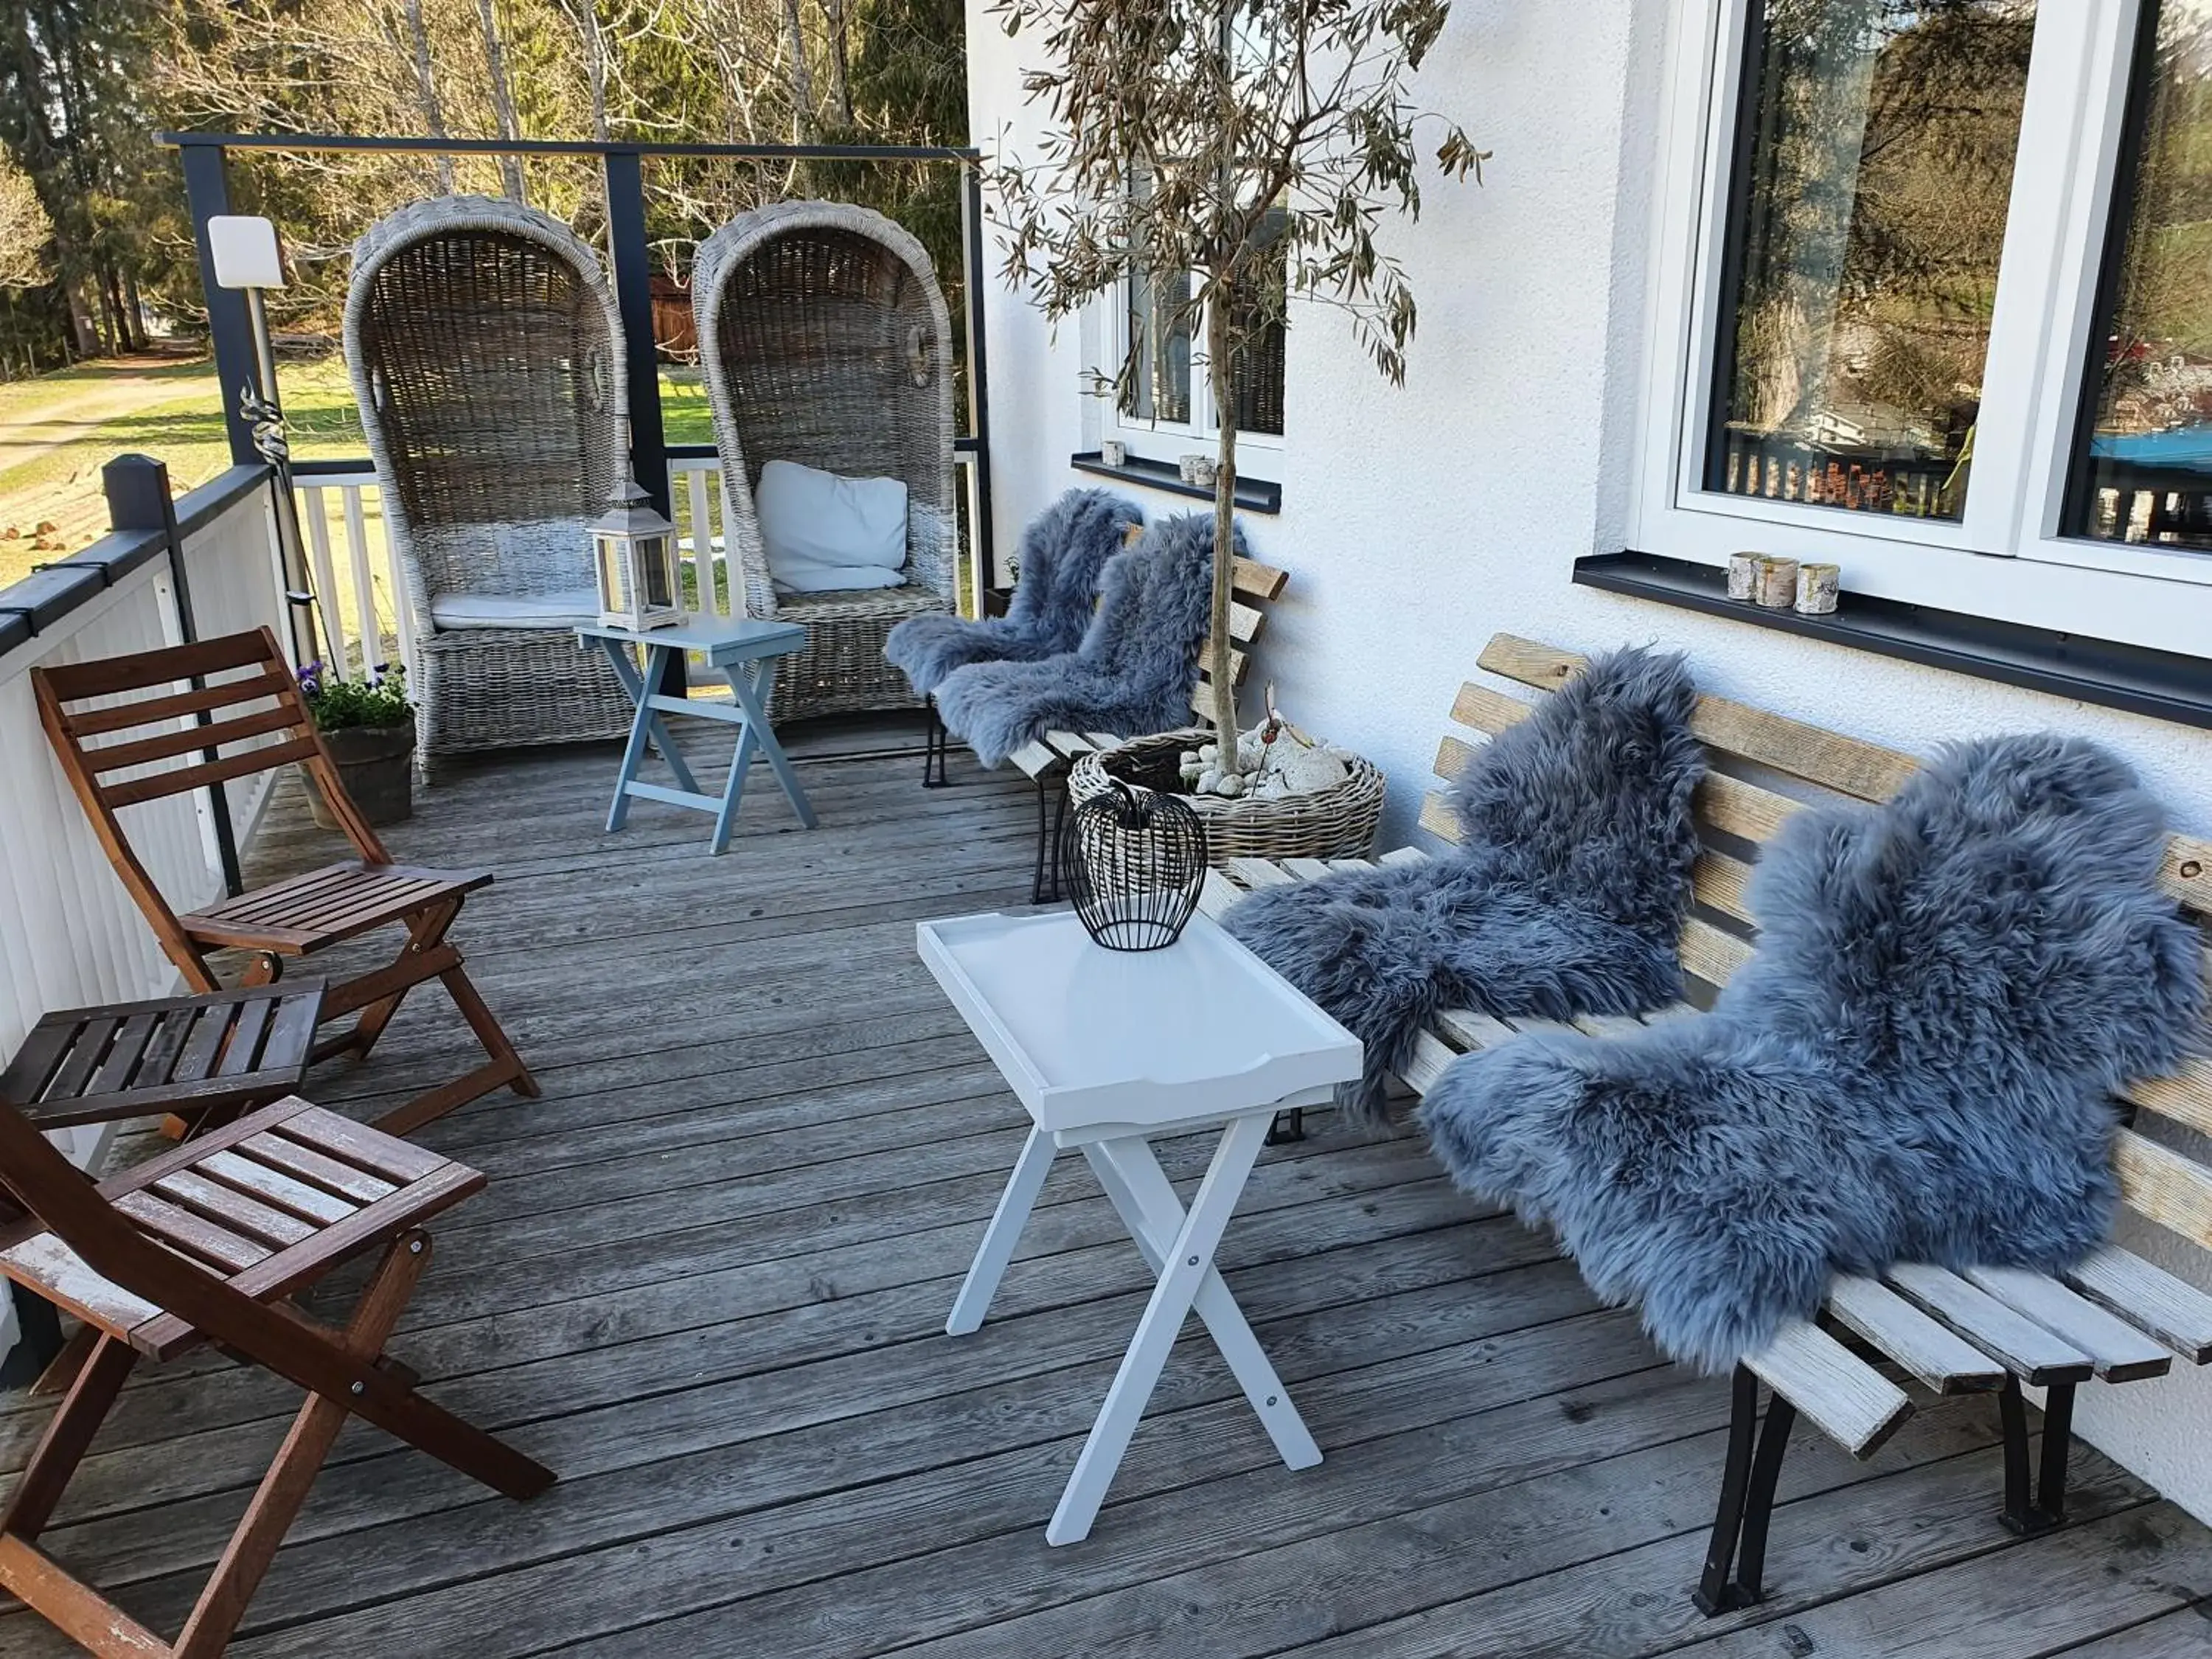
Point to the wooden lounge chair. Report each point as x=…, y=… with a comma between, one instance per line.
x=2116, y=1317
x=206, y=1243
x=117, y=754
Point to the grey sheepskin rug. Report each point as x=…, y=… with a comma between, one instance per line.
x=1564, y=896
x=1917, y=1065
x=1063, y=552
x=1133, y=674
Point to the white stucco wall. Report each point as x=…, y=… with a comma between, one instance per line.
x=1417, y=522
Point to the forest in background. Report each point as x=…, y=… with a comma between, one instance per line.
x=95, y=246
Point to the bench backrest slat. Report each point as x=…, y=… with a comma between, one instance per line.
x=1257, y=584
x=2163, y=1185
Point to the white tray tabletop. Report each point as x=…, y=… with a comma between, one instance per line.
x=1086, y=1036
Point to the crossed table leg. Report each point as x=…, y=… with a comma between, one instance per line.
x=750, y=680
x=1179, y=1247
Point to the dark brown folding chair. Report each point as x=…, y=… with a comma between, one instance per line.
x=206, y=1243
x=242, y=692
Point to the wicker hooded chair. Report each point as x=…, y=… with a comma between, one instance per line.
x=826, y=343
x=487, y=358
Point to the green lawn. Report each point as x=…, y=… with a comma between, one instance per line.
x=58, y=430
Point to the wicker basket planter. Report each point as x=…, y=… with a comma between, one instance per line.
x=1338, y=822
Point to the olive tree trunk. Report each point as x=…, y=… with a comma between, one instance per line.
x=1219, y=348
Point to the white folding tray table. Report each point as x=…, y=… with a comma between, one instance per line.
x=1108, y=1049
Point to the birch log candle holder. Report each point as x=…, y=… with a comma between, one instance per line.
x=1818, y=585
x=1114, y=452
x=1776, y=588
x=1743, y=576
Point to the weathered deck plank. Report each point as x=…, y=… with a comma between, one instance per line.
x=708, y=1281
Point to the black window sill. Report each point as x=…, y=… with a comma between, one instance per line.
x=2163, y=684
x=1253, y=495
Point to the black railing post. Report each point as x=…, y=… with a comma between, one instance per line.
x=979, y=379
x=633, y=278
x=207, y=192
x=138, y=498
x=632, y=259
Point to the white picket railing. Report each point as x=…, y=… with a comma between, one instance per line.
x=361, y=605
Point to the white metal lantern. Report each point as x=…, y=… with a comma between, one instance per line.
x=639, y=588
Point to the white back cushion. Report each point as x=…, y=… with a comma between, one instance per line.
x=810, y=518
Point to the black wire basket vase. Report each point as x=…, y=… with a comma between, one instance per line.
x=1133, y=860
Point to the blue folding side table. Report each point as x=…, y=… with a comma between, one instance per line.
x=746, y=649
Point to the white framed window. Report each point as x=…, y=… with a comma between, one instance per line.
x=1932, y=288
x=1168, y=406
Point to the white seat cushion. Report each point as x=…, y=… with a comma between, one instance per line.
x=574, y=608
x=804, y=576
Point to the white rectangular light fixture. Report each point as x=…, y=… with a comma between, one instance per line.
x=244, y=248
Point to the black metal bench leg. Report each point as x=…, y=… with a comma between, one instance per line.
x=2036, y=1503
x=1056, y=876
x=935, y=746
x=1288, y=1127
x=1758, y=1502
x=1714, y=1593
x=2057, y=1438
x=1051, y=817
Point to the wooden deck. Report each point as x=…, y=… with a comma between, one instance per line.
x=708, y=1285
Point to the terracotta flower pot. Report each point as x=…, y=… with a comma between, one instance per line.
x=378, y=765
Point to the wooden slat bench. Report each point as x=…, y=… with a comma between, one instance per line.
x=2116, y=1317
x=1045, y=762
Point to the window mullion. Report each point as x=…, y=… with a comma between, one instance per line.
x=1201, y=366
x=2027, y=347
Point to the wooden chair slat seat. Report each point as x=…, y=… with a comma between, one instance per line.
x=105, y=751
x=2119, y=1352
x=197, y=1245
x=2149, y=1298
x=2114, y=1316
x=324, y=907
x=242, y=1212
x=2033, y=1354
x=209, y=1057
x=193, y=1234
x=1846, y=1399
x=1942, y=1361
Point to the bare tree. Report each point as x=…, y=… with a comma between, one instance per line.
x=1256, y=145
x=841, y=60
x=25, y=232
x=585, y=14
x=503, y=99
x=802, y=78
x=425, y=88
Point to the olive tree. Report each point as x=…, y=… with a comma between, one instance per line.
x=1254, y=144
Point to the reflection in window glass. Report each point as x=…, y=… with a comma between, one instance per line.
x=1160, y=338
x=2146, y=472
x=1874, y=167
x=1257, y=387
